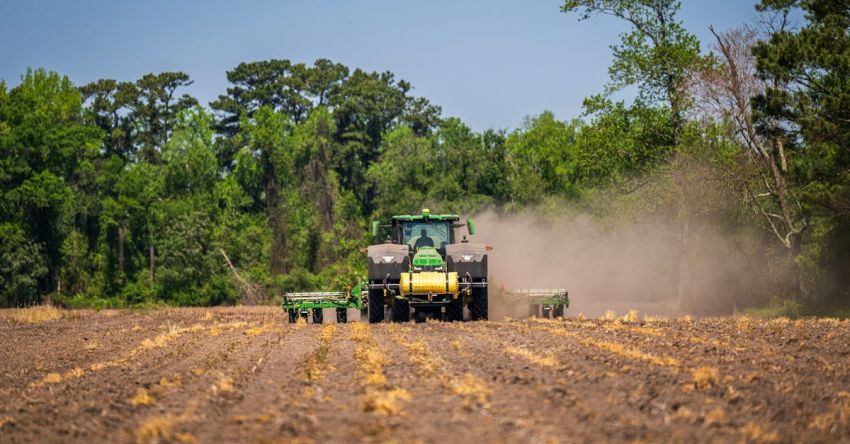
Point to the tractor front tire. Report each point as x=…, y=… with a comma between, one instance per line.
x=376, y=306
x=401, y=311
x=317, y=316
x=341, y=315
x=478, y=307
x=293, y=315
x=455, y=309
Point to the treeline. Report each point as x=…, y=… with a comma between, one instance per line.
x=131, y=193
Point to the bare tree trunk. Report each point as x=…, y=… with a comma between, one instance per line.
x=251, y=293
x=794, y=268
x=682, y=226
x=122, y=233
x=152, y=263
x=675, y=119
x=792, y=237
x=277, y=255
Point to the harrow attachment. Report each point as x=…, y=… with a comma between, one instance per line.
x=545, y=302
x=301, y=304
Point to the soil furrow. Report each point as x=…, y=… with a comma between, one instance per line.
x=560, y=388
x=244, y=375
x=103, y=394
x=737, y=388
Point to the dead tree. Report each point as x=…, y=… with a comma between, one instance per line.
x=724, y=91
x=252, y=294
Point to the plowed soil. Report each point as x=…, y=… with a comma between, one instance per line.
x=245, y=375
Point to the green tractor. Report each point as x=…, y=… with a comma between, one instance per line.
x=420, y=266
x=423, y=267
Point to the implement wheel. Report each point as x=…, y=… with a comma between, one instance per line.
x=454, y=311
x=401, y=311
x=478, y=307
x=376, y=306
x=420, y=317
x=293, y=315
x=534, y=310
x=317, y=316
x=558, y=312
x=341, y=315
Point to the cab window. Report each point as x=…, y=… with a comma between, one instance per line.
x=436, y=234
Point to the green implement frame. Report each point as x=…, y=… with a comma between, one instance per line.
x=541, y=301
x=301, y=303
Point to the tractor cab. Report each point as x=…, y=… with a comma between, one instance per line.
x=426, y=237
x=418, y=231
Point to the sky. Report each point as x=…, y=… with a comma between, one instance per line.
x=489, y=62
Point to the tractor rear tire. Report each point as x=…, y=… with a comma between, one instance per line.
x=401, y=311
x=341, y=315
x=454, y=311
x=558, y=312
x=376, y=306
x=293, y=315
x=478, y=307
x=317, y=316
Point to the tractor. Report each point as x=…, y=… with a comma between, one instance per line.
x=422, y=267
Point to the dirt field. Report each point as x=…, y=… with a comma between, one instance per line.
x=243, y=375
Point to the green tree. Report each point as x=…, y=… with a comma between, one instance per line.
x=189, y=155
x=621, y=145
x=265, y=166
x=108, y=105
x=658, y=54
x=540, y=158
x=405, y=173
x=156, y=108
x=46, y=153
x=140, y=190
x=291, y=88
x=138, y=117
x=468, y=167
x=365, y=107
x=24, y=267
x=324, y=223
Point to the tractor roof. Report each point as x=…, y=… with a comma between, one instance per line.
x=426, y=215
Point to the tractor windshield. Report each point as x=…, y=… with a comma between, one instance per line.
x=431, y=234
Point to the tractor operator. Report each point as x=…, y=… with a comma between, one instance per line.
x=423, y=241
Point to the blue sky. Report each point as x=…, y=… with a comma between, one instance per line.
x=489, y=62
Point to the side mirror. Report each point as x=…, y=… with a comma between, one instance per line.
x=375, y=229
x=470, y=224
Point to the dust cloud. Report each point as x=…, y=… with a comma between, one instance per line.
x=617, y=268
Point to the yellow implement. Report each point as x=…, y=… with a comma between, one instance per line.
x=428, y=282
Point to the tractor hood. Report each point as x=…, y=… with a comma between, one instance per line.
x=427, y=257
